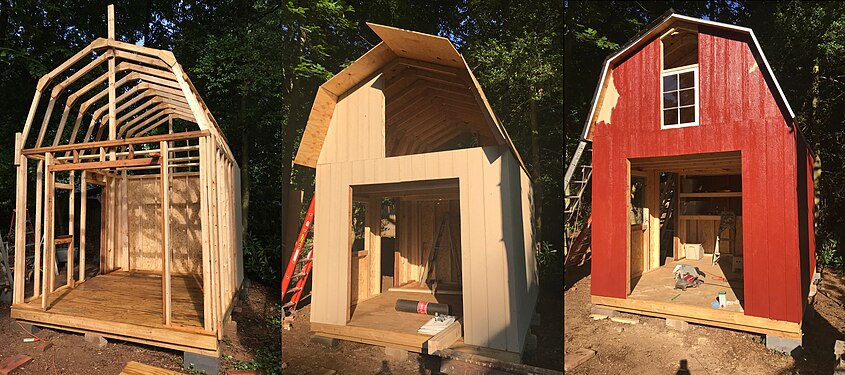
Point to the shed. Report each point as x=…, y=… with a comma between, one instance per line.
x=408, y=125
x=696, y=157
x=165, y=264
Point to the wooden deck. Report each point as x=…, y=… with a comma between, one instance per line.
x=127, y=306
x=376, y=322
x=659, y=285
x=653, y=295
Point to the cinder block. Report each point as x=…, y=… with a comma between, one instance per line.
x=783, y=345
x=31, y=328
x=201, y=363
x=602, y=311
x=678, y=325
x=96, y=340
x=394, y=354
x=324, y=341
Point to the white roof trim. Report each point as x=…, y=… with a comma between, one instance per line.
x=668, y=20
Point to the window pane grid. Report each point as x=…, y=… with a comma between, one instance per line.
x=679, y=99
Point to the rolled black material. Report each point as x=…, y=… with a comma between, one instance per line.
x=420, y=307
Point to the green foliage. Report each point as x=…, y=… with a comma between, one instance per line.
x=262, y=261
x=274, y=322
x=590, y=36
x=549, y=263
x=266, y=360
x=830, y=255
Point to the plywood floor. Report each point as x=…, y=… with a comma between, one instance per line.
x=376, y=322
x=379, y=312
x=659, y=285
x=129, y=297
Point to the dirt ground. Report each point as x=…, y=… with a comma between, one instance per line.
x=650, y=347
x=300, y=356
x=70, y=354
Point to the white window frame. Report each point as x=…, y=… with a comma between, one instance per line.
x=677, y=71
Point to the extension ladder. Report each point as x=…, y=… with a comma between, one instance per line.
x=581, y=162
x=7, y=251
x=299, y=264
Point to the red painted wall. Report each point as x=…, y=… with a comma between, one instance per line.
x=737, y=112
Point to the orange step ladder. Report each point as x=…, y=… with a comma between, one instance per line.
x=299, y=267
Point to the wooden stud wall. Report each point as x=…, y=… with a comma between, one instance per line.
x=417, y=225
x=136, y=224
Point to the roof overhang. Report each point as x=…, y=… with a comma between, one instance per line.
x=661, y=25
x=396, y=43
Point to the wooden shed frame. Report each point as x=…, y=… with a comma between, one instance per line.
x=133, y=106
x=756, y=139
x=392, y=125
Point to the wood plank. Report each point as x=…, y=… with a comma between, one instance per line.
x=136, y=368
x=83, y=220
x=71, y=230
x=49, y=247
x=105, y=164
x=577, y=358
x=702, y=315
x=12, y=363
x=204, y=235
x=18, y=281
x=445, y=338
x=181, y=136
x=165, y=234
x=39, y=210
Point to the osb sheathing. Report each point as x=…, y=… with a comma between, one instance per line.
x=144, y=203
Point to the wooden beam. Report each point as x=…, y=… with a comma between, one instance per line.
x=373, y=235
x=117, y=142
x=702, y=315
x=104, y=164
x=112, y=93
x=207, y=291
x=49, y=234
x=165, y=233
x=20, y=229
x=83, y=218
x=71, y=231
x=39, y=210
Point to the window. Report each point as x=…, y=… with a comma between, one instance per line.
x=680, y=97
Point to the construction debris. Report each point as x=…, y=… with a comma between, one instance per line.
x=10, y=364
x=624, y=320
x=598, y=316
x=577, y=358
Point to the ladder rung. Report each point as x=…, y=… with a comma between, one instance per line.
x=297, y=276
x=572, y=196
x=587, y=166
x=303, y=260
x=293, y=290
x=289, y=304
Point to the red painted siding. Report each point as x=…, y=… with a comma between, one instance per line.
x=737, y=112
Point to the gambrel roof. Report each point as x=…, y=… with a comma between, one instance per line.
x=397, y=46
x=150, y=88
x=657, y=28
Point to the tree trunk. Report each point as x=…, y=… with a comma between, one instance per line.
x=292, y=123
x=535, y=163
x=246, y=144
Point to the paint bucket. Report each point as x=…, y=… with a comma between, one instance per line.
x=723, y=299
